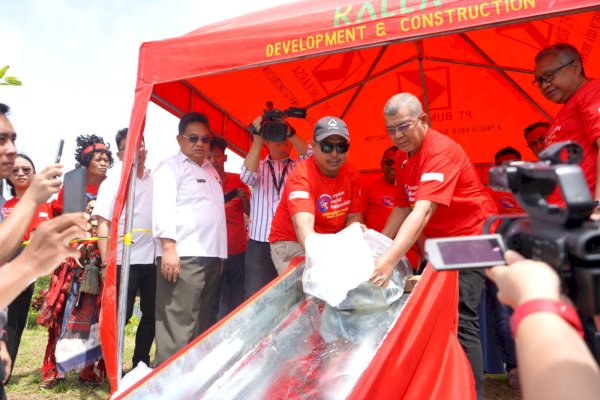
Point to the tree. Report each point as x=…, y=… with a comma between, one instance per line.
x=9, y=80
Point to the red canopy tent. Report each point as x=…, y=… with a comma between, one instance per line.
x=470, y=61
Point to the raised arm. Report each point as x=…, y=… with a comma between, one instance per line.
x=13, y=228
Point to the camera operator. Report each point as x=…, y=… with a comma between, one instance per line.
x=267, y=180
x=554, y=361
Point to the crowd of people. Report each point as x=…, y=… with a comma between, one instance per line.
x=217, y=238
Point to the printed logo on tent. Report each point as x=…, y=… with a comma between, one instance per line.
x=437, y=82
x=536, y=34
x=324, y=202
x=336, y=71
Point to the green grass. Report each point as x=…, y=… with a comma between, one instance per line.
x=26, y=377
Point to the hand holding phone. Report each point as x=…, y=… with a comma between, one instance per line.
x=59, y=152
x=465, y=252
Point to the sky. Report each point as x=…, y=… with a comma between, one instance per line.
x=78, y=60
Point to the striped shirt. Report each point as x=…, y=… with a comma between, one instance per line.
x=265, y=196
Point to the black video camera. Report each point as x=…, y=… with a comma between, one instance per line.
x=563, y=237
x=273, y=128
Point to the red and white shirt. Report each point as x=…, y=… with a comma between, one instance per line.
x=579, y=120
x=441, y=172
x=330, y=200
x=42, y=213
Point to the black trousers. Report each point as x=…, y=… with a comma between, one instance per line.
x=142, y=278
x=2, y=373
x=17, y=320
x=470, y=284
x=230, y=292
x=260, y=269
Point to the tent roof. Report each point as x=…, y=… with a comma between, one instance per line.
x=469, y=61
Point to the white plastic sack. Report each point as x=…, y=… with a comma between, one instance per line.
x=338, y=267
x=133, y=377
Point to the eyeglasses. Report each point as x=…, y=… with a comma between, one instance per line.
x=548, y=76
x=195, y=138
x=388, y=162
x=26, y=170
x=402, y=128
x=327, y=147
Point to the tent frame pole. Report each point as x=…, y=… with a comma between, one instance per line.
x=364, y=81
x=125, y=259
x=510, y=80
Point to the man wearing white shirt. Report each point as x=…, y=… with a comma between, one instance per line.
x=142, y=270
x=189, y=224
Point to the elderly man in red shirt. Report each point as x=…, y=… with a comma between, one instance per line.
x=560, y=77
x=322, y=194
x=438, y=193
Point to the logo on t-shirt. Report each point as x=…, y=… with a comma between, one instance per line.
x=324, y=202
x=387, y=201
x=507, y=202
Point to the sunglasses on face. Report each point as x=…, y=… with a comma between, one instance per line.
x=388, y=162
x=548, y=76
x=26, y=170
x=195, y=138
x=327, y=147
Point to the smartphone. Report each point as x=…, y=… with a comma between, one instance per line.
x=59, y=152
x=74, y=198
x=465, y=252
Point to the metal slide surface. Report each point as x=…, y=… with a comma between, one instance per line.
x=281, y=345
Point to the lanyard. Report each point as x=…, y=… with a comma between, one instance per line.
x=278, y=185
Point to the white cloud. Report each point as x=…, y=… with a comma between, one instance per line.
x=78, y=64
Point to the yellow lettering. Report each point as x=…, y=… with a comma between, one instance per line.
x=310, y=42
x=462, y=13
x=361, y=31
x=278, y=48
x=439, y=18
x=473, y=12
x=483, y=11
x=450, y=12
x=350, y=35
x=427, y=20
x=415, y=23
x=529, y=4
x=330, y=40
x=319, y=39
x=403, y=26
x=518, y=7
x=497, y=4
x=341, y=15
x=367, y=6
x=380, y=29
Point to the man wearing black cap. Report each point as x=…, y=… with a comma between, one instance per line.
x=321, y=195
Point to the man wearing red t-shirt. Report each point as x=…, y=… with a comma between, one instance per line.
x=438, y=193
x=378, y=194
x=230, y=292
x=505, y=201
x=377, y=197
x=560, y=77
x=322, y=194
